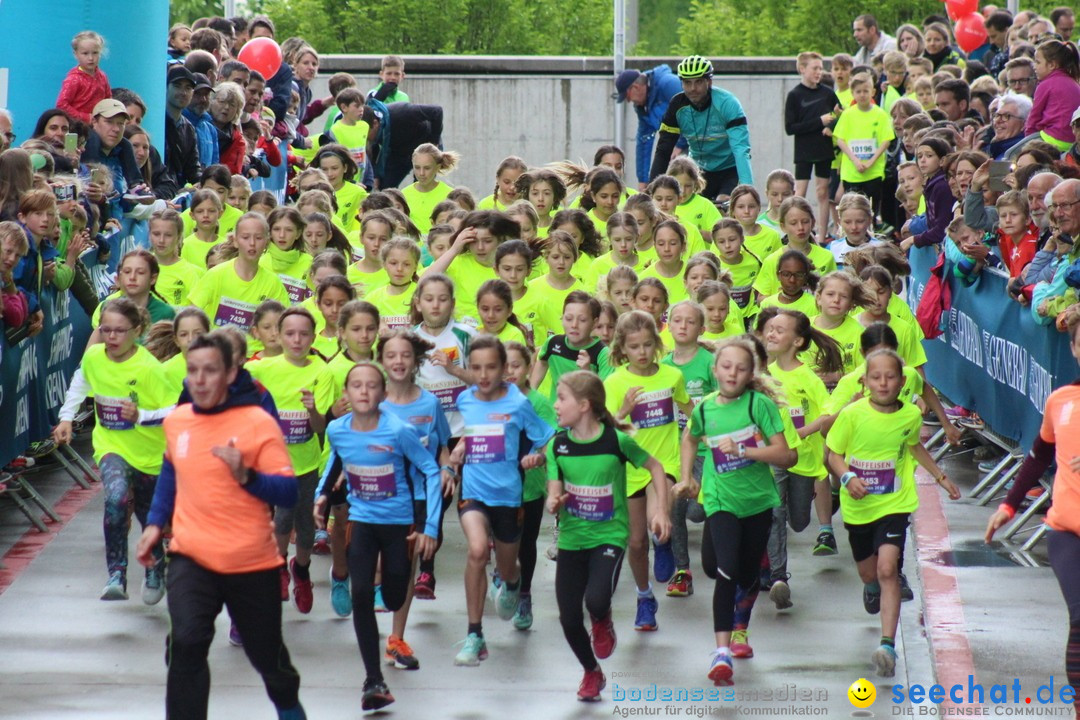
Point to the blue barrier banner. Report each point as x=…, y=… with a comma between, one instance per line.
x=993, y=357
x=34, y=374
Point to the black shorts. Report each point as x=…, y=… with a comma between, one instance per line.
x=888, y=530
x=506, y=522
x=821, y=169
x=834, y=184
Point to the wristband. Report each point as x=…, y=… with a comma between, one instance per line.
x=846, y=478
x=742, y=451
x=449, y=469
x=1007, y=509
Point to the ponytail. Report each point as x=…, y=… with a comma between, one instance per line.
x=586, y=385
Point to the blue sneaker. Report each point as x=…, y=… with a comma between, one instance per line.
x=884, y=659
x=646, y=614
x=380, y=604
x=506, y=601
x=493, y=587
x=663, y=562
x=153, y=588
x=340, y=598
x=473, y=650
x=116, y=588
x=296, y=713
x=720, y=670
x=523, y=616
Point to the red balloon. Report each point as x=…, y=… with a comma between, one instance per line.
x=970, y=32
x=960, y=8
x=261, y=54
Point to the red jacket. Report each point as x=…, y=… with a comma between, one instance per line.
x=1016, y=256
x=81, y=92
x=233, y=156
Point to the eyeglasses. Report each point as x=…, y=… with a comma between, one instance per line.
x=1006, y=116
x=1021, y=81
x=1062, y=206
x=788, y=275
x=108, y=331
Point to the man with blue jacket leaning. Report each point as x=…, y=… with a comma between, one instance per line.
x=650, y=92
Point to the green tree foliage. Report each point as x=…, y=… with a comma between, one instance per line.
x=787, y=27
x=188, y=11
x=486, y=27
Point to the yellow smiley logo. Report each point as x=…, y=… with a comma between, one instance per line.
x=862, y=693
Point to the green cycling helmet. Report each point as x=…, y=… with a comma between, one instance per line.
x=695, y=67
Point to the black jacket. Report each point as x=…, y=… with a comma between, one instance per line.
x=182, y=150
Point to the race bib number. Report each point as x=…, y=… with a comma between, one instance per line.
x=653, y=409
x=234, y=312
x=108, y=413
x=371, y=483
x=447, y=392
x=879, y=476
x=295, y=426
x=485, y=444
x=589, y=502
x=863, y=149
x=360, y=156
x=297, y=289
x=741, y=295
x=748, y=437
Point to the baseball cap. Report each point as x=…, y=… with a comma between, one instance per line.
x=623, y=82
x=109, y=108
x=178, y=73
x=1076, y=116
x=202, y=82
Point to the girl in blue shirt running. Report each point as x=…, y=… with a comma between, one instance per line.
x=369, y=449
x=503, y=437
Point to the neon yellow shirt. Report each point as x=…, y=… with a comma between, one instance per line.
x=140, y=379
x=877, y=448
x=527, y=311
x=228, y=300
x=852, y=384
x=697, y=212
x=595, y=279
x=654, y=417
x=864, y=132
x=354, y=138
x=550, y=305
x=806, y=398
x=226, y=223
x=293, y=275
x=847, y=335
x=743, y=275
x=348, y=199
x=675, y=286
x=806, y=304
x=468, y=275
x=193, y=250
x=422, y=203
x=764, y=243
x=284, y=382
x=393, y=309
x=175, y=282
x=365, y=282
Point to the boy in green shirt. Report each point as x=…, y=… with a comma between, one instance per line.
x=391, y=73
x=352, y=129
x=863, y=134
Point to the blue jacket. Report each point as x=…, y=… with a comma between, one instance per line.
x=26, y=273
x=663, y=85
x=206, y=136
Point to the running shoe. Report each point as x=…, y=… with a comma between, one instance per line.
x=972, y=421
x=234, y=635
x=552, y=551
x=340, y=598
x=116, y=588
x=720, y=670
x=41, y=448
x=906, y=592
x=506, y=601
x=957, y=413
x=871, y=601
x=884, y=659
x=603, y=637
x=424, y=589
x=303, y=597
x=523, y=616
x=780, y=594
x=322, y=543
x=285, y=580
x=153, y=588
x=663, y=562
x=987, y=466
x=591, y=685
x=400, y=655
x=826, y=544
x=740, y=644
x=682, y=585
x=380, y=604
x=474, y=649
x=646, y=614
x=376, y=695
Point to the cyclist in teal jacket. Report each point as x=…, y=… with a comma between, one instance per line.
x=714, y=124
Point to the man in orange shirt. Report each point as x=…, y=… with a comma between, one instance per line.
x=225, y=465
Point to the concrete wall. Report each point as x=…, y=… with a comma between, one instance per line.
x=544, y=118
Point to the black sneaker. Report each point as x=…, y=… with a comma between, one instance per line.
x=826, y=544
x=871, y=601
x=376, y=695
x=905, y=590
